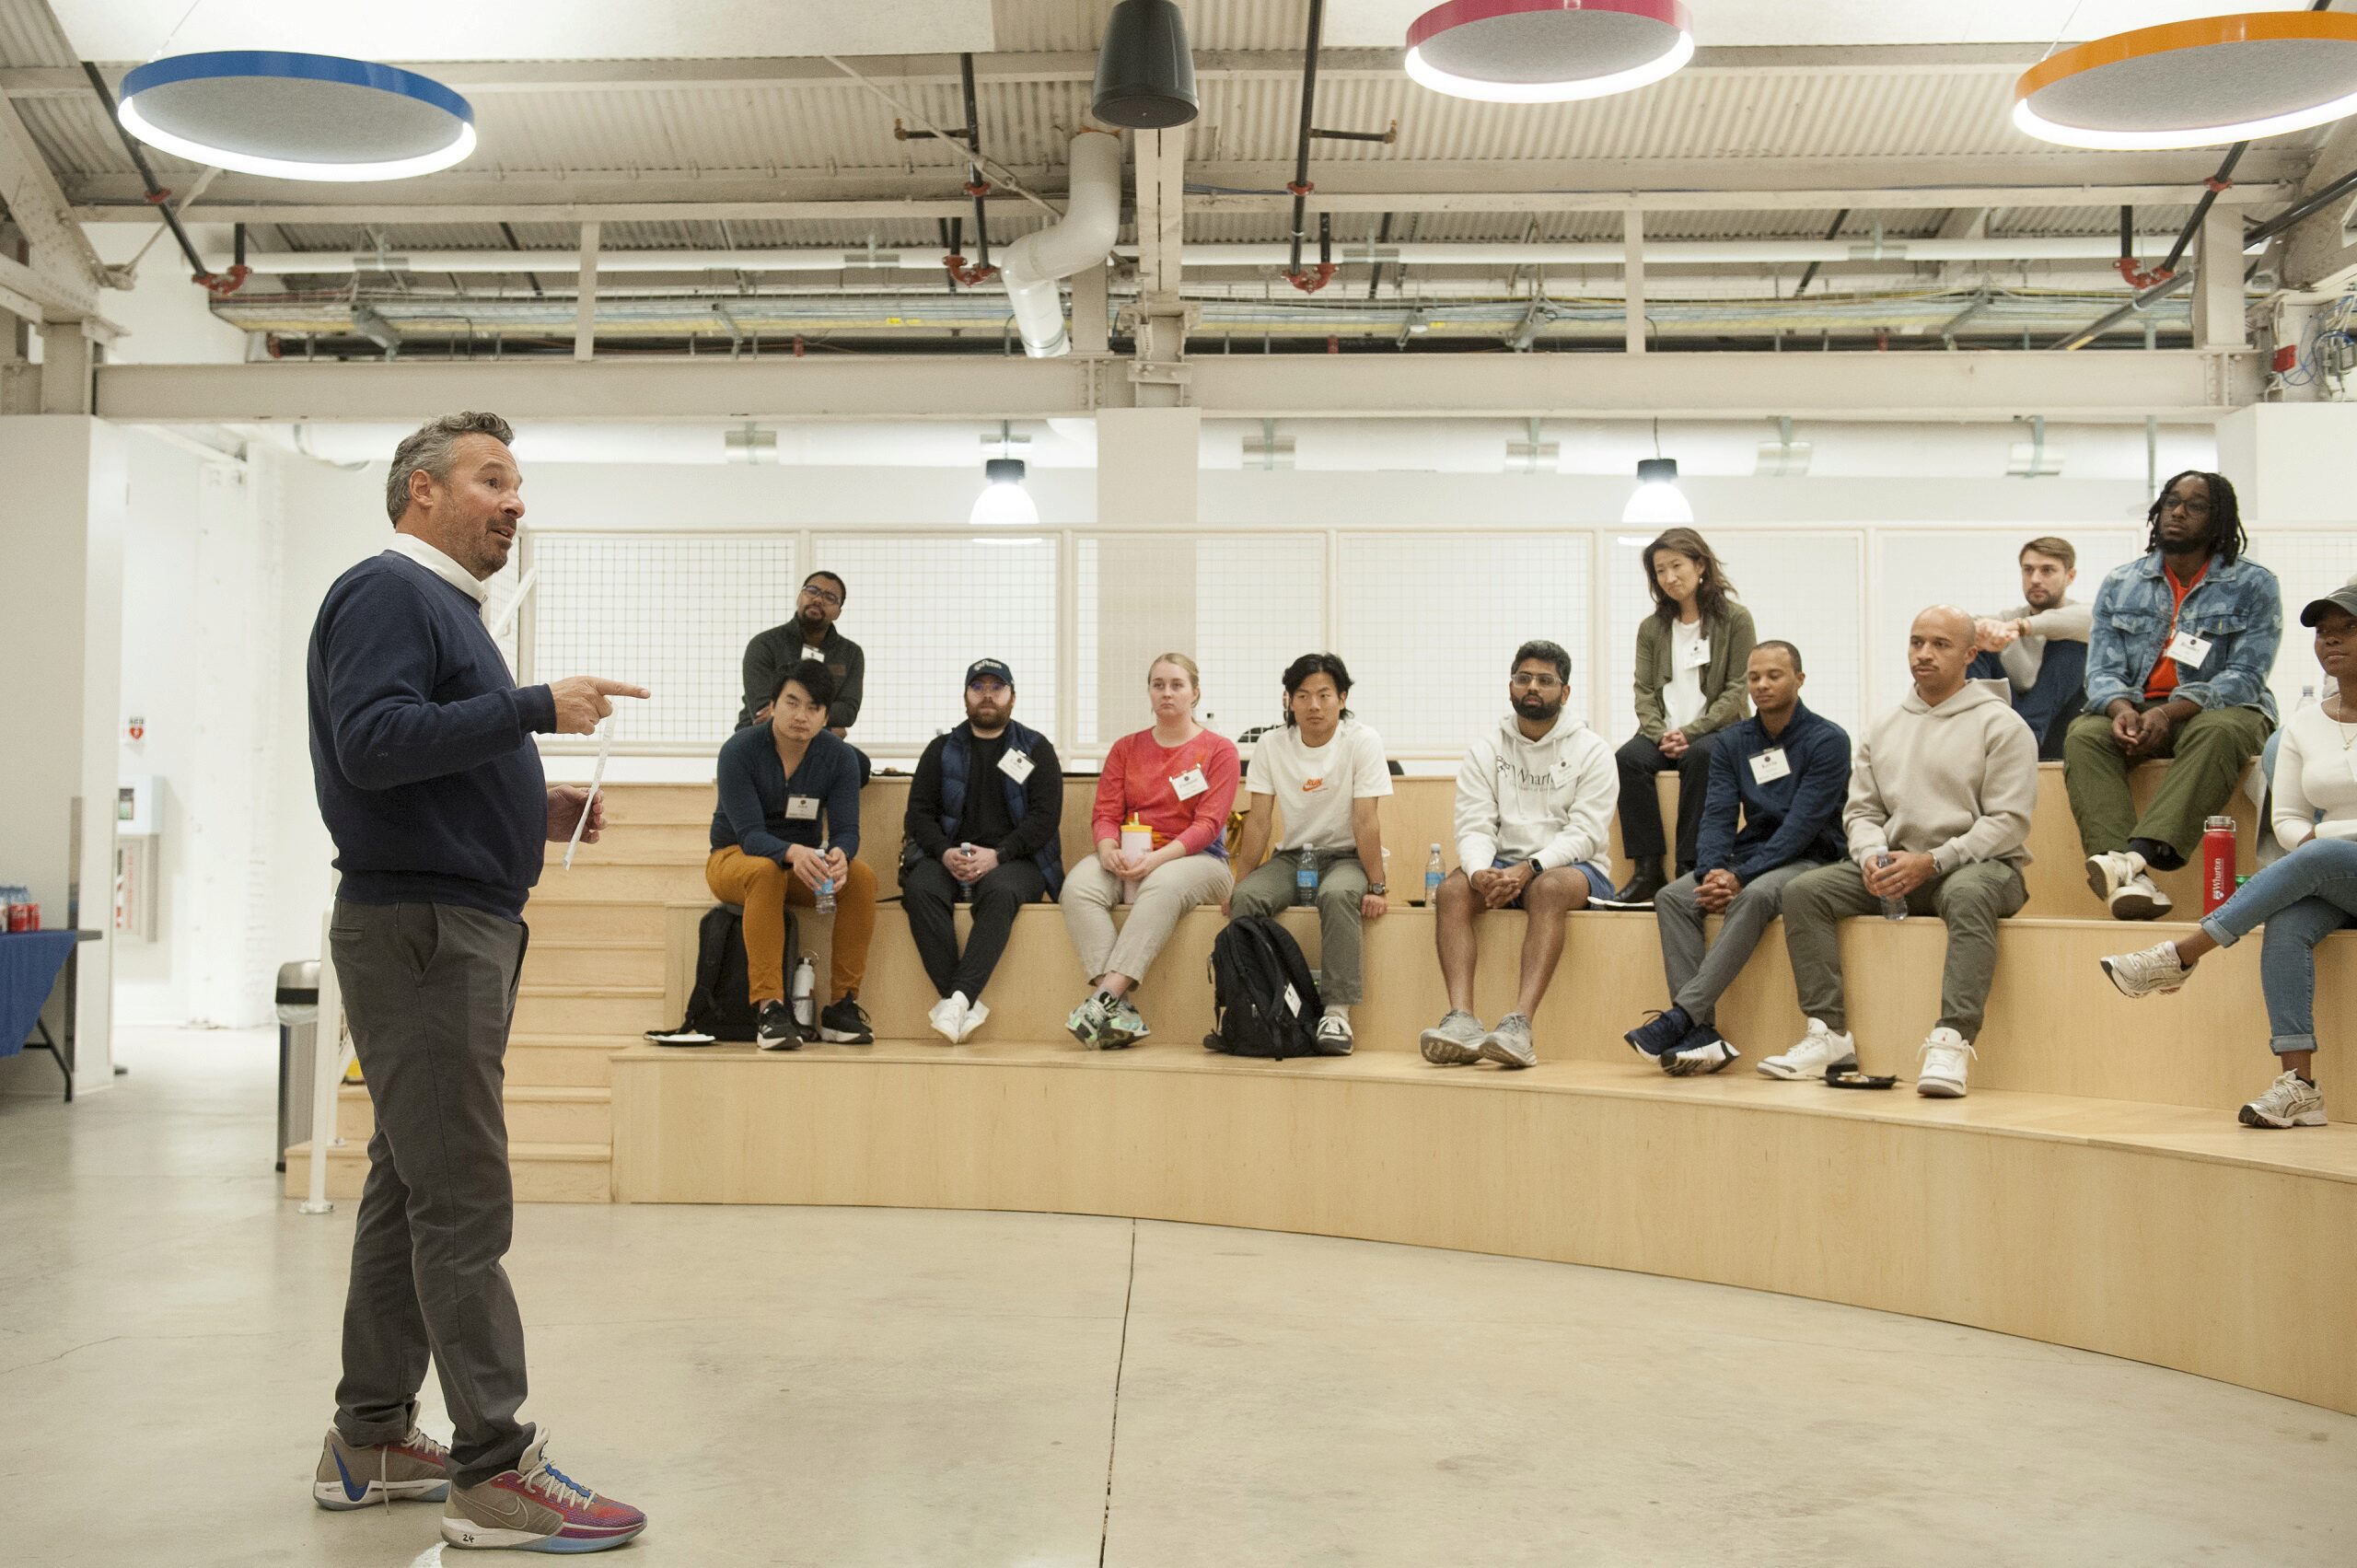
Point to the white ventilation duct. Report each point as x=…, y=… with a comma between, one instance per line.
x=1032, y=266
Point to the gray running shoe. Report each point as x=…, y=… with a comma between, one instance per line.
x=1509, y=1045
x=416, y=1468
x=1454, y=1041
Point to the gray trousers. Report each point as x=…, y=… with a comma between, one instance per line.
x=430, y=989
x=1342, y=932
x=1969, y=901
x=1698, y=977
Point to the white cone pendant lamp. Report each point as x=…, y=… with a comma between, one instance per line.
x=1657, y=503
x=2194, y=84
x=296, y=116
x=1548, y=50
x=1004, y=503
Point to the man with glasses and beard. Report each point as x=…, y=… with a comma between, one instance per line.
x=985, y=810
x=1533, y=815
x=811, y=635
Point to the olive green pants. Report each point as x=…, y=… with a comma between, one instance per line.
x=2208, y=752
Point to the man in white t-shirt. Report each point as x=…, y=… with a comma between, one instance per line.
x=1322, y=772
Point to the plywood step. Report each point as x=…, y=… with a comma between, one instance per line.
x=597, y=919
x=536, y=1114
x=601, y=882
x=563, y=1060
x=589, y=1009
x=543, y=1173
x=567, y=961
x=656, y=843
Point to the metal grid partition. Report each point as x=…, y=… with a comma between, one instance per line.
x=1428, y=657
x=1803, y=585
x=922, y=607
x=670, y=611
x=2308, y=564
x=1975, y=569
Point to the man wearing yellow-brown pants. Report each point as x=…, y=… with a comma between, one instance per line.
x=787, y=832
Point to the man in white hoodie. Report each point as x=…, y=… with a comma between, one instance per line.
x=1534, y=809
x=1940, y=791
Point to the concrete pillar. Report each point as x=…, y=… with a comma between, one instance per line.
x=62, y=535
x=2218, y=286
x=67, y=357
x=2289, y=465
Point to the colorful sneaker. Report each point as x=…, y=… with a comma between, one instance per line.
x=1124, y=1026
x=976, y=1015
x=948, y=1015
x=1946, y=1058
x=416, y=1469
x=1454, y=1041
x=1819, y=1049
x=1333, y=1036
x=1509, y=1044
x=1089, y=1020
x=2290, y=1101
x=537, y=1507
x=845, y=1022
x=1661, y=1033
x=2147, y=969
x=1705, y=1051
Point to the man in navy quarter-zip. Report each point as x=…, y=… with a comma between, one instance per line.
x=430, y=783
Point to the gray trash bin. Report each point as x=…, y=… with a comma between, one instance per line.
x=298, y=1040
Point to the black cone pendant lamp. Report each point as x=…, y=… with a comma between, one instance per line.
x=1145, y=76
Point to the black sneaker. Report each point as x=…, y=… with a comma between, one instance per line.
x=842, y=1023
x=773, y=1028
x=1640, y=891
x=1662, y=1032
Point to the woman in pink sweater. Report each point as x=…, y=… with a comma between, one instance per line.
x=1179, y=780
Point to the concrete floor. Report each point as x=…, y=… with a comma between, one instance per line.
x=845, y=1386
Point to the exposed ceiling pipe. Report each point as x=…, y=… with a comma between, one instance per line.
x=1308, y=281
x=1595, y=253
x=1031, y=266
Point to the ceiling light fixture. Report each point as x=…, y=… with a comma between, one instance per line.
x=1657, y=503
x=2194, y=84
x=1145, y=73
x=1004, y=503
x=296, y=116
x=1548, y=50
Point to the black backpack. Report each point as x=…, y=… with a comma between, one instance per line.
x=1265, y=1002
x=716, y=1004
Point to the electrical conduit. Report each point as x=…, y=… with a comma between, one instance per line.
x=1033, y=266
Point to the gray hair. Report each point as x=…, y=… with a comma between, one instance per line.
x=434, y=447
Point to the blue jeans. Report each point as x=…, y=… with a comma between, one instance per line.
x=2302, y=899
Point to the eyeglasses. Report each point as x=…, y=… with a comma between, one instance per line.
x=824, y=595
x=1543, y=682
x=2197, y=506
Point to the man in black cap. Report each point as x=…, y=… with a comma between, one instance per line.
x=985, y=815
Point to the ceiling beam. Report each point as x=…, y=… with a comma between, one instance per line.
x=2318, y=256
x=60, y=253
x=2126, y=386
x=512, y=76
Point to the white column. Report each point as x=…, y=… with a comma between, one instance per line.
x=1632, y=241
x=62, y=535
x=1148, y=467
x=584, y=309
x=2218, y=286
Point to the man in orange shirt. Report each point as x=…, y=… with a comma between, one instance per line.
x=2177, y=663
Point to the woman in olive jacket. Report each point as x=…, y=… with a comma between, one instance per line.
x=1690, y=657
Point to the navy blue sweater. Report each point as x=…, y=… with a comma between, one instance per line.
x=422, y=745
x=754, y=791
x=1797, y=817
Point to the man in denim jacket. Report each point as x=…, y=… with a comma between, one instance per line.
x=2177, y=666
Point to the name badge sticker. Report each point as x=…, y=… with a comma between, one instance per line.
x=1189, y=784
x=1771, y=765
x=801, y=807
x=1016, y=765
x=1293, y=1001
x=1699, y=654
x=1557, y=770
x=2188, y=650
x=810, y=653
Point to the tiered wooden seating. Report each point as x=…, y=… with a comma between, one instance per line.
x=2093, y=1191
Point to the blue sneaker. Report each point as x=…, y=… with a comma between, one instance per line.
x=1661, y=1032
x=1705, y=1051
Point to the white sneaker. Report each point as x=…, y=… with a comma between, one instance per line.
x=2147, y=969
x=2122, y=879
x=1819, y=1049
x=948, y=1017
x=1454, y=1041
x=1946, y=1055
x=2287, y=1102
x=977, y=1013
x=1709, y=1056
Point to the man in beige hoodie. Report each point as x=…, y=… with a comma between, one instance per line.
x=1940, y=791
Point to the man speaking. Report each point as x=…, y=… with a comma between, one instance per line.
x=431, y=785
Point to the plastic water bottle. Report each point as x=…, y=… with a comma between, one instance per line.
x=1432, y=877
x=1893, y=907
x=805, y=993
x=824, y=902
x=1305, y=877
x=2307, y=697
x=965, y=890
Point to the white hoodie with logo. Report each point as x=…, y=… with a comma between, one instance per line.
x=1957, y=782
x=1550, y=800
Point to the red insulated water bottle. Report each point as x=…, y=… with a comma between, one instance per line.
x=2217, y=862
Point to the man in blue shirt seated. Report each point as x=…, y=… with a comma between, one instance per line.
x=787, y=832
x=1786, y=772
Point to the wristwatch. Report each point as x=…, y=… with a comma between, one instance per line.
x=1378, y=888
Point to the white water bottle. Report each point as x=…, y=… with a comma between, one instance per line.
x=805, y=988
x=1893, y=906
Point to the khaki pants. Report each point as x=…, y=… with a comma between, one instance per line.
x=1969, y=901
x=1342, y=931
x=2212, y=749
x=763, y=888
x=1091, y=891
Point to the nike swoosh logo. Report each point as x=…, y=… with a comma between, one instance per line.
x=352, y=1489
x=506, y=1509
